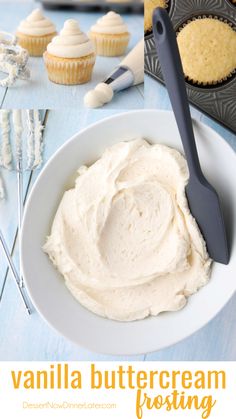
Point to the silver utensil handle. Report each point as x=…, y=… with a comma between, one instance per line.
x=14, y=271
x=20, y=210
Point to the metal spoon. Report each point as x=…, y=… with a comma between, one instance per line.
x=203, y=199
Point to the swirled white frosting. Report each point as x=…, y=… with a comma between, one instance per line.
x=36, y=25
x=71, y=42
x=111, y=23
x=124, y=238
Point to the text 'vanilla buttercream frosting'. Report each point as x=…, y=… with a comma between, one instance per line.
x=124, y=238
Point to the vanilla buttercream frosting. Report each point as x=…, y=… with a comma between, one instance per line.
x=71, y=42
x=36, y=25
x=124, y=238
x=111, y=23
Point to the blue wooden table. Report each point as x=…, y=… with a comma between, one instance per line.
x=39, y=91
x=30, y=338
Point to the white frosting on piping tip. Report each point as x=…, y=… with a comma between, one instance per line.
x=71, y=42
x=124, y=238
x=36, y=25
x=111, y=23
x=103, y=92
x=96, y=98
x=6, y=152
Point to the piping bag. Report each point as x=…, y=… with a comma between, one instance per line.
x=130, y=72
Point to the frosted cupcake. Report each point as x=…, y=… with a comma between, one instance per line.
x=110, y=35
x=70, y=56
x=35, y=32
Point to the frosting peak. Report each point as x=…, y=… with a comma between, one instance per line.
x=71, y=27
x=36, y=25
x=111, y=23
x=35, y=15
x=110, y=17
x=71, y=42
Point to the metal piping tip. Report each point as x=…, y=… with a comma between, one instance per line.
x=121, y=78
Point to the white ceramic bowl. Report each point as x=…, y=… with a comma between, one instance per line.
x=46, y=286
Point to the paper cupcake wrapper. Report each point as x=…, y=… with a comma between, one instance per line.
x=69, y=71
x=35, y=45
x=110, y=45
x=212, y=83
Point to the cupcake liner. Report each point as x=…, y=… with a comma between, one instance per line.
x=35, y=45
x=222, y=80
x=148, y=30
x=69, y=71
x=110, y=45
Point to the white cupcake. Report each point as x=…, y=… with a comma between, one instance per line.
x=110, y=35
x=70, y=56
x=35, y=32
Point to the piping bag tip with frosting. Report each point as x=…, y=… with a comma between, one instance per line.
x=129, y=73
x=98, y=97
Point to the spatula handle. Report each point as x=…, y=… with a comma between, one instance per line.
x=172, y=71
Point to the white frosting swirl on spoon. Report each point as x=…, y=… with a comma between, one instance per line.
x=36, y=25
x=71, y=42
x=111, y=23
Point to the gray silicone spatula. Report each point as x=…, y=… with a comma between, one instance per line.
x=203, y=199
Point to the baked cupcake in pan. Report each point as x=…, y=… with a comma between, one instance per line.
x=208, y=50
x=149, y=6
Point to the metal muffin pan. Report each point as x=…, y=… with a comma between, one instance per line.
x=86, y=5
x=218, y=101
